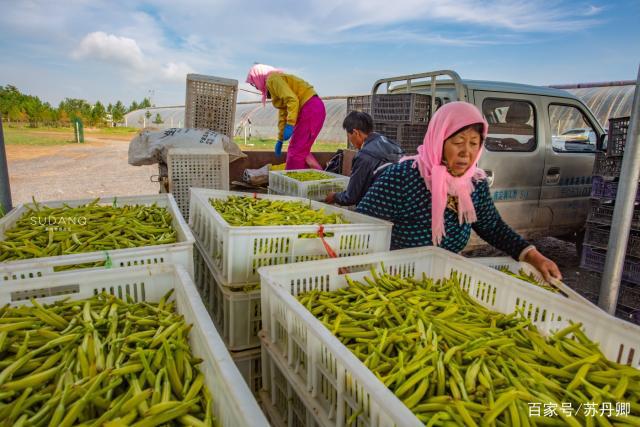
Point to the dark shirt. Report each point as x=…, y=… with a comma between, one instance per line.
x=400, y=195
x=376, y=151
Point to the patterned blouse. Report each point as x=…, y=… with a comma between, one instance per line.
x=401, y=196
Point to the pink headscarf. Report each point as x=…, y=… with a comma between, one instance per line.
x=445, y=122
x=258, y=75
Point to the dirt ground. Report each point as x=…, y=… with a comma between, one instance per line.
x=76, y=171
x=583, y=281
x=99, y=168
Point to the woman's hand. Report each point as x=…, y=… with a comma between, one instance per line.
x=331, y=197
x=544, y=265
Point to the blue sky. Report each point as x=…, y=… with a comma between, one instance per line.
x=122, y=50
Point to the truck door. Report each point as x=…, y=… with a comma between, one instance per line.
x=514, y=157
x=571, y=133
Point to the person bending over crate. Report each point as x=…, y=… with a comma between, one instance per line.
x=301, y=112
x=374, y=152
x=437, y=196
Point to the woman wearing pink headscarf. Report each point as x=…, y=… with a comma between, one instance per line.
x=439, y=195
x=301, y=112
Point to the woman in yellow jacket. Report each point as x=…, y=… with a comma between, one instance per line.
x=301, y=112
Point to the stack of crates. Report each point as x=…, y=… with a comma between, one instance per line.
x=210, y=104
x=227, y=259
x=606, y=176
x=235, y=311
x=402, y=117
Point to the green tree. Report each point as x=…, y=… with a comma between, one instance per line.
x=146, y=103
x=10, y=103
x=77, y=108
x=63, y=115
x=134, y=106
x=35, y=110
x=118, y=111
x=15, y=114
x=158, y=120
x=98, y=114
x=147, y=114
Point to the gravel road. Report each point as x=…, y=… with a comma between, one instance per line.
x=76, y=171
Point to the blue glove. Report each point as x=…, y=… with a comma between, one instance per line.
x=288, y=131
x=278, y=148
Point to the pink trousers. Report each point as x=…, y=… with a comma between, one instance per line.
x=310, y=120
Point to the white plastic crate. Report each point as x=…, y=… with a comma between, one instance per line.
x=341, y=385
x=195, y=167
x=238, y=252
x=180, y=252
x=211, y=103
x=249, y=363
x=233, y=402
x=235, y=312
x=282, y=401
x=280, y=183
x=515, y=266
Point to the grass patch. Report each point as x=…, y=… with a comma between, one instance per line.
x=113, y=131
x=37, y=136
x=45, y=135
x=260, y=144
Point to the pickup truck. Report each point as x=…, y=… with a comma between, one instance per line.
x=539, y=177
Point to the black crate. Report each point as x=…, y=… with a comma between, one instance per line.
x=407, y=108
x=593, y=259
x=598, y=236
x=617, y=136
x=390, y=130
x=412, y=136
x=601, y=212
x=630, y=296
x=607, y=189
x=606, y=166
x=629, y=314
x=359, y=103
x=408, y=137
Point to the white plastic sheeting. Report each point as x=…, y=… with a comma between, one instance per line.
x=172, y=117
x=259, y=121
x=605, y=102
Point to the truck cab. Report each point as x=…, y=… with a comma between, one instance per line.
x=539, y=151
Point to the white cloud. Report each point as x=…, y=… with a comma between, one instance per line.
x=176, y=71
x=513, y=15
x=125, y=54
x=156, y=43
x=593, y=10
x=111, y=49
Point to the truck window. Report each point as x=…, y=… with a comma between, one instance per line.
x=570, y=130
x=512, y=125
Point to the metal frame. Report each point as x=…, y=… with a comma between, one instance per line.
x=433, y=75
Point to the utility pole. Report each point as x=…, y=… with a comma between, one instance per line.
x=5, y=188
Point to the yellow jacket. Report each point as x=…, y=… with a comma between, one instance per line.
x=288, y=94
